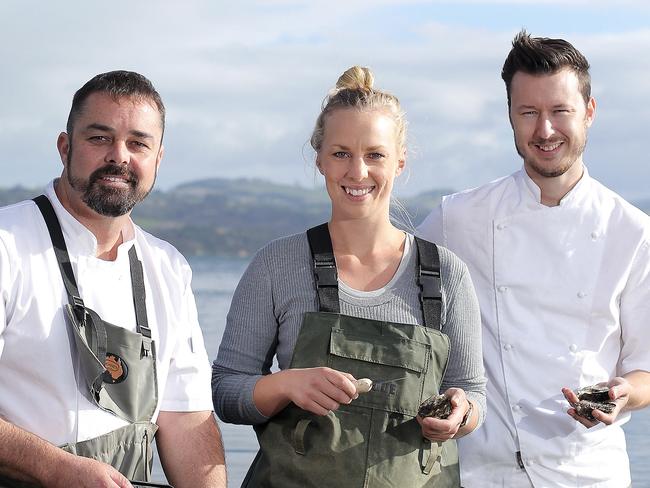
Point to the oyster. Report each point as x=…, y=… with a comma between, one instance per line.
x=364, y=385
x=438, y=406
x=593, y=397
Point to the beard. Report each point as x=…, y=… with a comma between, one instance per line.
x=108, y=201
x=574, y=154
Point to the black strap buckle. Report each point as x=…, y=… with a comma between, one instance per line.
x=79, y=309
x=326, y=274
x=429, y=282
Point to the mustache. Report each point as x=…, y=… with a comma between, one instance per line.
x=113, y=170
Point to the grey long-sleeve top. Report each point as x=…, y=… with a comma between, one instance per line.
x=278, y=287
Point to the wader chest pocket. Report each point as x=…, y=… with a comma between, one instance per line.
x=396, y=365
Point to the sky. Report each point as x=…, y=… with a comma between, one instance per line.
x=243, y=81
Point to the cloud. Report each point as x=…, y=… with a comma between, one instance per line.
x=243, y=81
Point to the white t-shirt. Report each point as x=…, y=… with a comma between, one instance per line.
x=564, y=293
x=38, y=389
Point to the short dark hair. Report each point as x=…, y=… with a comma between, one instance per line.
x=541, y=55
x=117, y=84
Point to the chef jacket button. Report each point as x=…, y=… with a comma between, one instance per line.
x=529, y=462
x=594, y=235
x=516, y=408
x=501, y=226
x=582, y=294
x=502, y=288
x=507, y=347
x=573, y=348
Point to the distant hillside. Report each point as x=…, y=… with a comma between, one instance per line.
x=234, y=217
x=228, y=217
x=237, y=217
x=16, y=194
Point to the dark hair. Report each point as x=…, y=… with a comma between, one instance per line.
x=117, y=84
x=541, y=55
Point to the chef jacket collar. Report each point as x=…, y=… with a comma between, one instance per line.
x=573, y=198
x=80, y=240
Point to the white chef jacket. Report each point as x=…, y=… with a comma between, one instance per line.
x=565, y=301
x=38, y=389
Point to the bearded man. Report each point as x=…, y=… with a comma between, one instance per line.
x=100, y=346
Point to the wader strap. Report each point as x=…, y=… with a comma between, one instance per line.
x=60, y=250
x=298, y=437
x=320, y=244
x=325, y=273
x=139, y=297
x=429, y=282
x=432, y=451
x=74, y=297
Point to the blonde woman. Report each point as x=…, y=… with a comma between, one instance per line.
x=353, y=298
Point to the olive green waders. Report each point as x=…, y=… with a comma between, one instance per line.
x=117, y=368
x=375, y=441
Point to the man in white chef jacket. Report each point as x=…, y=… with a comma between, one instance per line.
x=111, y=152
x=561, y=266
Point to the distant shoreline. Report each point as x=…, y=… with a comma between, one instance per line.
x=234, y=218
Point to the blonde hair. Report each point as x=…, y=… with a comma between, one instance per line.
x=354, y=89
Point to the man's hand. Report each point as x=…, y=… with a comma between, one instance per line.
x=620, y=390
x=26, y=457
x=85, y=473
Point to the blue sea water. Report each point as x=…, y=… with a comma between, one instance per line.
x=214, y=281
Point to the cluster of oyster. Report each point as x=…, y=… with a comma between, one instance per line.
x=593, y=397
x=438, y=406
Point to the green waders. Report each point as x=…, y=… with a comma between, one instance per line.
x=117, y=367
x=375, y=441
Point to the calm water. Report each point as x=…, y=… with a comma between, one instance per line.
x=214, y=282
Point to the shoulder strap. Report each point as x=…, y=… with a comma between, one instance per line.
x=67, y=274
x=60, y=249
x=429, y=282
x=325, y=273
x=320, y=245
x=139, y=293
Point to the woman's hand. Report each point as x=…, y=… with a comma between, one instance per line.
x=444, y=429
x=317, y=390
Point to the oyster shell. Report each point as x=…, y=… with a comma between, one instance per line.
x=593, y=397
x=364, y=385
x=438, y=406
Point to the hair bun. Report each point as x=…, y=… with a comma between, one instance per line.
x=354, y=90
x=356, y=78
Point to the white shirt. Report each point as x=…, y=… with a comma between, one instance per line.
x=565, y=301
x=38, y=390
